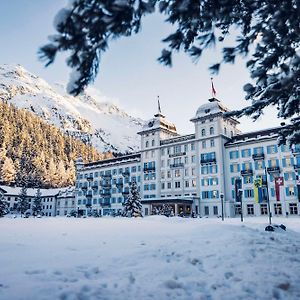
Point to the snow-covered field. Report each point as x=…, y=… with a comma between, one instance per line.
x=150, y=258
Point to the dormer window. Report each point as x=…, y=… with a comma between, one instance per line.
x=203, y=132
x=211, y=131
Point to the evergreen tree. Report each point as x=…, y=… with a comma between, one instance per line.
x=133, y=205
x=23, y=204
x=266, y=30
x=37, y=203
x=3, y=205
x=7, y=171
x=167, y=210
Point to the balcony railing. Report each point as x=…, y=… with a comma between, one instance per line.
x=149, y=169
x=258, y=156
x=273, y=170
x=105, y=204
x=104, y=176
x=178, y=165
x=177, y=154
x=247, y=172
x=208, y=160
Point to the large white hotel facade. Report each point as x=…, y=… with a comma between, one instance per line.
x=195, y=172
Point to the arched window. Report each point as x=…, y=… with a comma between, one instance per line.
x=203, y=132
x=211, y=131
x=147, y=144
x=153, y=143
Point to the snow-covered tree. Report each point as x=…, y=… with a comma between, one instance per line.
x=167, y=210
x=3, y=205
x=23, y=204
x=133, y=205
x=8, y=171
x=266, y=31
x=37, y=206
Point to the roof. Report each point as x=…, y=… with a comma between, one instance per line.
x=159, y=122
x=10, y=190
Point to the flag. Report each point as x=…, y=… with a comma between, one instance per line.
x=298, y=187
x=213, y=90
x=237, y=187
x=278, y=184
x=258, y=193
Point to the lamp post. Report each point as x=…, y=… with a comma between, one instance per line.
x=222, y=204
x=268, y=198
x=240, y=191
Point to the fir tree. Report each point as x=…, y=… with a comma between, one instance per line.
x=7, y=171
x=133, y=205
x=23, y=204
x=3, y=205
x=37, y=203
x=167, y=210
x=266, y=31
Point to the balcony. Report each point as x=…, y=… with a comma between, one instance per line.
x=208, y=160
x=105, y=204
x=273, y=170
x=106, y=193
x=248, y=172
x=258, y=156
x=149, y=169
x=177, y=154
x=178, y=165
x=106, y=176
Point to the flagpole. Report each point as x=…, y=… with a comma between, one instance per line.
x=268, y=199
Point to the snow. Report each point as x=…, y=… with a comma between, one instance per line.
x=10, y=190
x=89, y=114
x=150, y=258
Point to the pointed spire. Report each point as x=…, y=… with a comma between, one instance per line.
x=159, y=114
x=213, y=90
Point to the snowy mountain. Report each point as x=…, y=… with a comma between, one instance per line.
x=89, y=116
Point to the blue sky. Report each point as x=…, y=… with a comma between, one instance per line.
x=129, y=72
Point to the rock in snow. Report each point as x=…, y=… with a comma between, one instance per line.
x=89, y=116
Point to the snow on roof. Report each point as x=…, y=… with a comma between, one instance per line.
x=10, y=190
x=212, y=107
x=159, y=122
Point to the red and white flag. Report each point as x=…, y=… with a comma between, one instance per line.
x=278, y=183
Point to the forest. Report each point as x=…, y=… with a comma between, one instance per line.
x=36, y=154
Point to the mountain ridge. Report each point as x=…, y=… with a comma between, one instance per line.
x=87, y=116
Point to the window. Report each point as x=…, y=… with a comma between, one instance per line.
x=186, y=172
x=248, y=193
x=169, y=174
x=203, y=144
x=212, y=143
x=290, y=191
x=192, y=146
x=203, y=132
x=153, y=143
x=185, y=148
x=278, y=209
x=193, y=183
x=186, y=160
x=293, y=208
x=250, y=209
x=187, y=184
x=206, y=210
x=162, y=151
x=211, y=131
x=215, y=210
x=234, y=168
x=234, y=154
x=169, y=185
x=147, y=144
x=263, y=209
x=177, y=173
x=162, y=174
x=246, y=152
x=225, y=131
x=177, y=184
x=193, y=158
x=162, y=163
x=193, y=171
x=272, y=149
x=258, y=150
x=238, y=209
